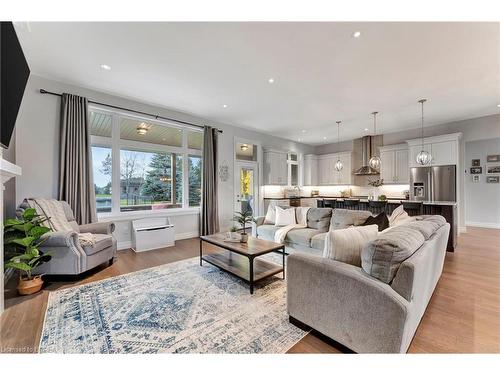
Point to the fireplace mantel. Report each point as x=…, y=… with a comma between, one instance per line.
x=7, y=171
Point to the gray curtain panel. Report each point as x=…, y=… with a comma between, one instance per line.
x=76, y=182
x=209, y=212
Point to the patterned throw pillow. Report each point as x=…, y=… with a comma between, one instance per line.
x=399, y=216
x=345, y=245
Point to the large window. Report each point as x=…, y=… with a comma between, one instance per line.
x=142, y=165
x=101, y=160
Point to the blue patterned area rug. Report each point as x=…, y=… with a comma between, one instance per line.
x=174, y=308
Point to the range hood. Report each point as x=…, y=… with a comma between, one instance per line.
x=366, y=154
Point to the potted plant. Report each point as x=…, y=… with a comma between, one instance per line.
x=243, y=218
x=382, y=197
x=233, y=232
x=376, y=184
x=22, y=239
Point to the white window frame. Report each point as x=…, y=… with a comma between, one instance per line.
x=116, y=144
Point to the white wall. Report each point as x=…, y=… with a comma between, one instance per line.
x=482, y=199
x=37, y=144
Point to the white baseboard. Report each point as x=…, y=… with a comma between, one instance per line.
x=183, y=236
x=483, y=225
x=462, y=230
x=124, y=245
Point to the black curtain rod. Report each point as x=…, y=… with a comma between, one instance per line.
x=43, y=91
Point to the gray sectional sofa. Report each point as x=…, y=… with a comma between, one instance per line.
x=311, y=240
x=375, y=308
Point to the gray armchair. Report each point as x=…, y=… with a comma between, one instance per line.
x=68, y=256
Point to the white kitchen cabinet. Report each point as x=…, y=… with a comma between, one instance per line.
x=275, y=168
x=311, y=170
x=443, y=149
x=327, y=175
x=444, y=153
x=394, y=167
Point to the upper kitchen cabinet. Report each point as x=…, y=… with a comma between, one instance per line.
x=444, y=149
x=310, y=170
x=327, y=175
x=275, y=168
x=394, y=167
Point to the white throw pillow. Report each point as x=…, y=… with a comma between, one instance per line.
x=399, y=216
x=285, y=216
x=345, y=245
x=270, y=215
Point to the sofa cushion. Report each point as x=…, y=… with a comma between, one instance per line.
x=319, y=218
x=318, y=241
x=380, y=220
x=342, y=218
x=382, y=257
x=345, y=245
x=301, y=236
x=102, y=241
x=266, y=231
x=427, y=226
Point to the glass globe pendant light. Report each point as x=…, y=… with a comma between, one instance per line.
x=423, y=157
x=375, y=160
x=338, y=165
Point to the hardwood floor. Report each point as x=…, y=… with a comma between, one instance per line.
x=463, y=315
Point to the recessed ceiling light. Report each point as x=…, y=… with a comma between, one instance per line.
x=224, y=106
x=498, y=105
x=298, y=140
x=356, y=34
x=324, y=138
x=366, y=129
x=304, y=130
x=270, y=80
x=105, y=67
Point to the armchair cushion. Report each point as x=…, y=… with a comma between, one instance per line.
x=102, y=241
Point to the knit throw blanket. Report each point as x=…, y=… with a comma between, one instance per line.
x=56, y=218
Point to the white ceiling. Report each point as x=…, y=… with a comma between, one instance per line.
x=322, y=74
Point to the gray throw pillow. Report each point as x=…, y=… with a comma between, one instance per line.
x=382, y=257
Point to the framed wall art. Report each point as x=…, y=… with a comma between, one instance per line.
x=476, y=162
x=493, y=168
x=476, y=170
x=493, y=179
x=493, y=158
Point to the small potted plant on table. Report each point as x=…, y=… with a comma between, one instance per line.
x=243, y=218
x=22, y=238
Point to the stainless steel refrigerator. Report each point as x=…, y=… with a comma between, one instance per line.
x=433, y=183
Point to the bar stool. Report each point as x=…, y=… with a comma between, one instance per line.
x=377, y=207
x=330, y=203
x=320, y=203
x=351, y=204
x=413, y=208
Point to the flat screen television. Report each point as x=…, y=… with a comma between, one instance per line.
x=14, y=73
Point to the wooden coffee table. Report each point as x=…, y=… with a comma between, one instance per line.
x=247, y=267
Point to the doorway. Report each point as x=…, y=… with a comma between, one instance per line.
x=246, y=187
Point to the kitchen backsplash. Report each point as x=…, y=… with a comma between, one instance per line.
x=392, y=191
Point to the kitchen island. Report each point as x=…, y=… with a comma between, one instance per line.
x=444, y=208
